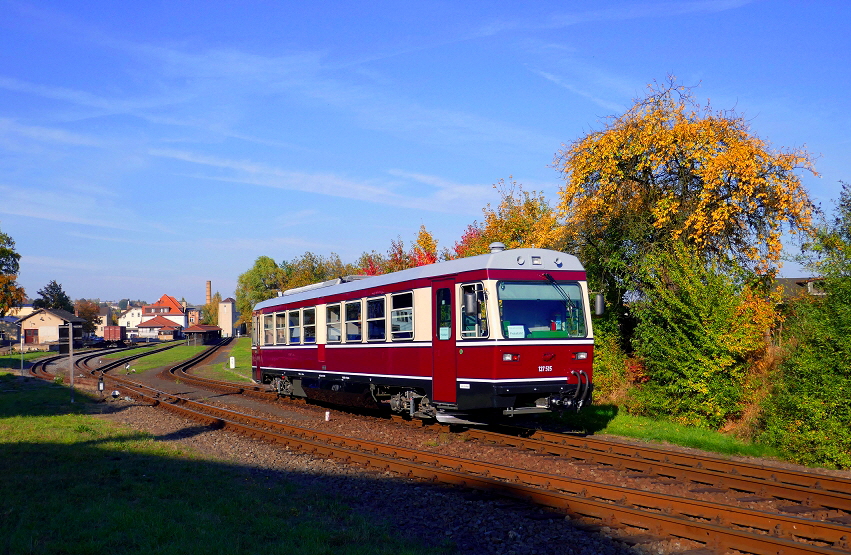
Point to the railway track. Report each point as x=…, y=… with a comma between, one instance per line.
x=793, y=492
x=810, y=493
x=641, y=516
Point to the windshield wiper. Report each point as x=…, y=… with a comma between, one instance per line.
x=555, y=284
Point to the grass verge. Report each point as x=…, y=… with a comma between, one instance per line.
x=131, y=352
x=14, y=360
x=73, y=483
x=241, y=351
x=607, y=419
x=168, y=357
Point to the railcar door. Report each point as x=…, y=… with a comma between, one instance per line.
x=443, y=342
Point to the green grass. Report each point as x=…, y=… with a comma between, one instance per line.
x=14, y=361
x=169, y=357
x=76, y=484
x=131, y=352
x=241, y=351
x=607, y=419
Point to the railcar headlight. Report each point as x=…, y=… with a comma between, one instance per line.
x=581, y=355
x=510, y=357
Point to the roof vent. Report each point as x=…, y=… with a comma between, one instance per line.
x=496, y=247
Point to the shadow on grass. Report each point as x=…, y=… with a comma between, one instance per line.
x=589, y=420
x=84, y=487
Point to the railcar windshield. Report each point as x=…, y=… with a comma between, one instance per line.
x=541, y=310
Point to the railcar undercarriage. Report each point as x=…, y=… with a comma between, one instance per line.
x=415, y=403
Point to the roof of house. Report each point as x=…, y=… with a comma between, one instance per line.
x=794, y=287
x=229, y=300
x=201, y=328
x=58, y=312
x=160, y=322
x=169, y=302
x=128, y=309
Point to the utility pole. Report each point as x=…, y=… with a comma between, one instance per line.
x=71, y=356
x=22, y=350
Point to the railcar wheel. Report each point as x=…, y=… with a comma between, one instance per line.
x=283, y=386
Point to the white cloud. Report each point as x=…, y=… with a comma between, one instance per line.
x=254, y=173
x=54, y=206
x=47, y=134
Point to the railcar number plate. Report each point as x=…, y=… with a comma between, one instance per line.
x=545, y=368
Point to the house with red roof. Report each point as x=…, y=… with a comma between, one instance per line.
x=168, y=307
x=164, y=319
x=201, y=334
x=160, y=328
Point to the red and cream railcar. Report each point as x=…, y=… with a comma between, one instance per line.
x=506, y=332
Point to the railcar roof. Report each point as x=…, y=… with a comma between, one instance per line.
x=552, y=261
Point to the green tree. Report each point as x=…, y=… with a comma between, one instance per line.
x=312, y=268
x=522, y=219
x=808, y=414
x=52, y=296
x=699, y=336
x=11, y=294
x=671, y=170
x=262, y=281
x=210, y=311
x=88, y=311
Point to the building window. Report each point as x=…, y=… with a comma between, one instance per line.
x=375, y=320
x=402, y=316
x=281, y=328
x=332, y=318
x=353, y=321
x=309, y=321
x=295, y=327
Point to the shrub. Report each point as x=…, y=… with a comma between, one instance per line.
x=809, y=413
x=611, y=380
x=699, y=328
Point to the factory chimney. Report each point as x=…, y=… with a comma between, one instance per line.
x=209, y=291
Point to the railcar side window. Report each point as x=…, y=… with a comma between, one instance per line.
x=402, y=316
x=269, y=329
x=474, y=312
x=353, y=321
x=295, y=327
x=332, y=317
x=375, y=320
x=541, y=310
x=281, y=328
x=309, y=321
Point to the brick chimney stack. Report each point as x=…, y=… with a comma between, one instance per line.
x=209, y=291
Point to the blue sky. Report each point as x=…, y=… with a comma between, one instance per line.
x=148, y=147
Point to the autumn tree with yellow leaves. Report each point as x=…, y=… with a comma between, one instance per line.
x=671, y=170
x=677, y=212
x=523, y=219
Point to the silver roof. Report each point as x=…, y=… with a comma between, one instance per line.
x=515, y=259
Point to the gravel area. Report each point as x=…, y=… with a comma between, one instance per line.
x=447, y=519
